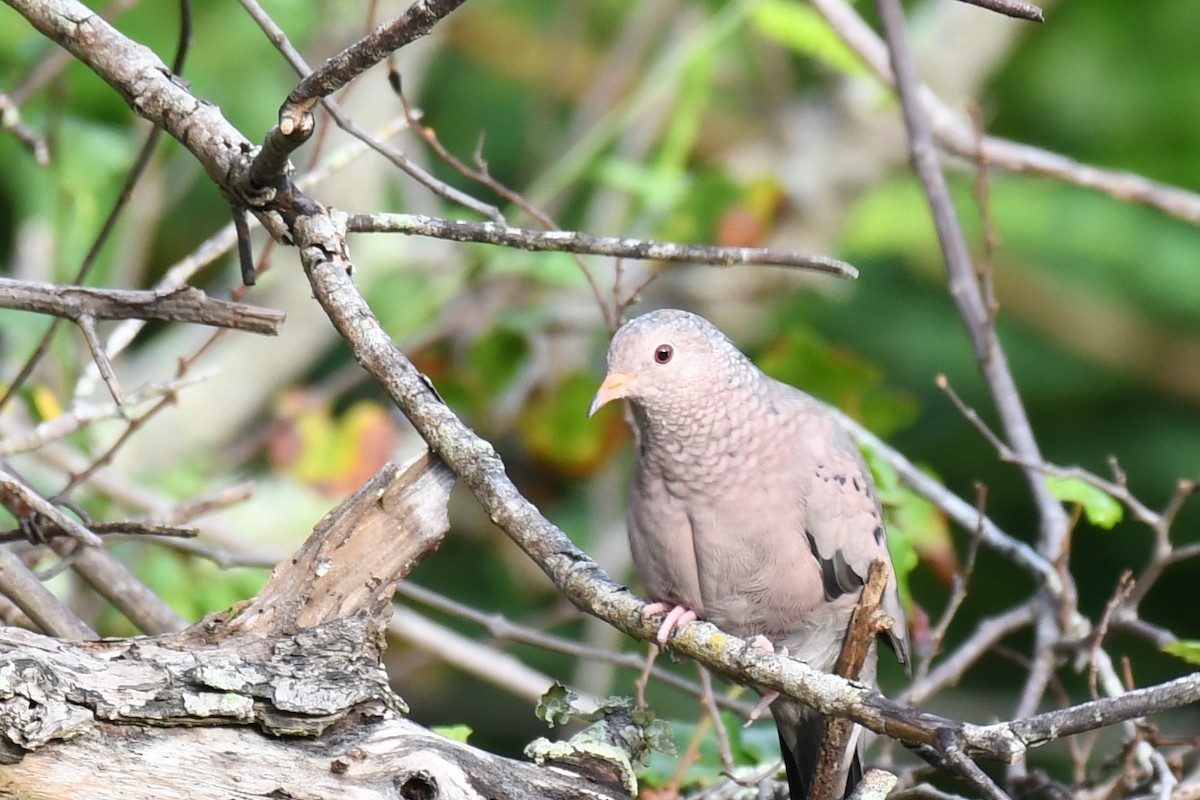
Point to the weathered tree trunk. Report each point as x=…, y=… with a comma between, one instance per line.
x=285, y=698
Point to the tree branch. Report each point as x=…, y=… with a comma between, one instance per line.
x=1010, y=8
x=295, y=116
x=30, y=595
x=576, y=242
x=579, y=578
x=957, y=135
x=187, y=304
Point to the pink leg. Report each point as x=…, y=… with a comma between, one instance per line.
x=677, y=616
x=763, y=643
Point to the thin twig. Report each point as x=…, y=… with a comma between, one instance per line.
x=952, y=668
x=500, y=627
x=959, y=510
x=87, y=325
x=10, y=120
x=21, y=499
x=268, y=169
x=141, y=163
x=483, y=176
x=958, y=593
x=131, y=528
x=79, y=415
x=956, y=136
x=576, y=242
x=1124, y=586
x=295, y=115
x=708, y=699
x=1010, y=8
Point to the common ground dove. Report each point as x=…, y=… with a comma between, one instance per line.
x=750, y=507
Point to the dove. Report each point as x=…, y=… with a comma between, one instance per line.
x=749, y=507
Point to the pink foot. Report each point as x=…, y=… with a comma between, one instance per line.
x=763, y=643
x=677, y=616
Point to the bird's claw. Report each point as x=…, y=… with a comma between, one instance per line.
x=763, y=643
x=677, y=617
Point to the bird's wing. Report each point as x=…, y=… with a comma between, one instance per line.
x=843, y=522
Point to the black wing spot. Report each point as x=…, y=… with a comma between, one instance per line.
x=879, y=535
x=837, y=577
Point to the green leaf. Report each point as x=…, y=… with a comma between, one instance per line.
x=1101, y=508
x=457, y=733
x=802, y=30
x=1188, y=650
x=917, y=531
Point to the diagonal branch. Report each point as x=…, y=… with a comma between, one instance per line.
x=958, y=136
x=583, y=583
x=296, y=122
x=1010, y=8
x=963, y=283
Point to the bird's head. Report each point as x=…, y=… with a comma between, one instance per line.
x=667, y=359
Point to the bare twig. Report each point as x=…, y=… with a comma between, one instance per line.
x=963, y=285
x=958, y=593
x=286, y=144
x=486, y=663
x=575, y=242
x=1010, y=8
x=10, y=120
x=123, y=528
x=19, y=498
x=186, y=304
x=959, y=510
x=482, y=175
x=500, y=627
x=79, y=415
x=30, y=595
x=956, y=135
x=87, y=325
x=951, y=669
x=295, y=116
x=708, y=699
x=1120, y=596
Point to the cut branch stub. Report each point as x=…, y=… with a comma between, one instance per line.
x=358, y=552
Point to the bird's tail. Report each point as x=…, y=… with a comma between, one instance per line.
x=800, y=733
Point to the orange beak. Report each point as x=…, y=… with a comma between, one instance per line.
x=612, y=389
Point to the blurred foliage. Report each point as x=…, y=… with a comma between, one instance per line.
x=1100, y=507
x=696, y=762
x=668, y=120
x=1189, y=651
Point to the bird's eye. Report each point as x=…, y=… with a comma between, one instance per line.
x=663, y=353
